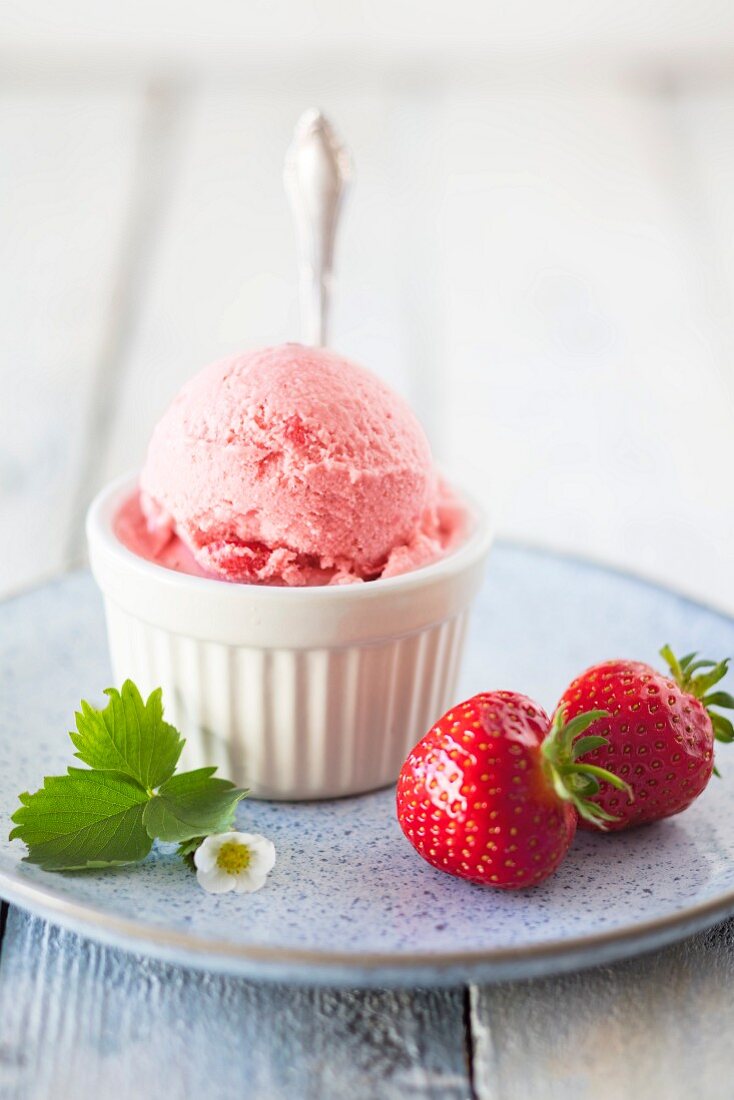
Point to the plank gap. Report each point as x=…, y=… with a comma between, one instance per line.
x=469, y=1045
x=4, y=907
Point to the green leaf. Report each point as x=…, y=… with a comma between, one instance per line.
x=192, y=804
x=719, y=699
x=684, y=662
x=691, y=668
x=691, y=679
x=595, y=814
x=187, y=848
x=699, y=685
x=588, y=744
x=672, y=662
x=723, y=729
x=129, y=736
x=111, y=814
x=81, y=820
x=574, y=780
x=582, y=722
x=608, y=777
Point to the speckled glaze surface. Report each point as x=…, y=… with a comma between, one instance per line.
x=349, y=901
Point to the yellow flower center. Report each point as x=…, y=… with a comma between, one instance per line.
x=233, y=857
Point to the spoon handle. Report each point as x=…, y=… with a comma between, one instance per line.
x=317, y=171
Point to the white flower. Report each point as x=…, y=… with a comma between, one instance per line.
x=234, y=861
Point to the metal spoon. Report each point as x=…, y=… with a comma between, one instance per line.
x=318, y=169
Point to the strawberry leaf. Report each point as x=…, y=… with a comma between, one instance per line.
x=673, y=663
x=84, y=819
x=582, y=722
x=573, y=779
x=699, y=685
x=129, y=737
x=111, y=814
x=192, y=804
x=719, y=699
x=588, y=744
x=691, y=668
x=723, y=728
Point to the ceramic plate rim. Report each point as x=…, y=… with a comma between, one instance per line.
x=203, y=953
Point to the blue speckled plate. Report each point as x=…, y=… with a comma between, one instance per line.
x=349, y=901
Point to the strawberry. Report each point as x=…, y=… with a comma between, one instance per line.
x=659, y=734
x=492, y=792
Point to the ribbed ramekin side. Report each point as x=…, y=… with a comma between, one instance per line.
x=295, y=723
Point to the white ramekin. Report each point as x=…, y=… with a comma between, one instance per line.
x=295, y=693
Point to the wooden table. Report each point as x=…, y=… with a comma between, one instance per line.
x=84, y=1021
x=147, y=234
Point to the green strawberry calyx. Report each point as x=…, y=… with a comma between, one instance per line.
x=697, y=677
x=573, y=779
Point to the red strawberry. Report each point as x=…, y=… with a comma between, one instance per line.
x=659, y=734
x=491, y=793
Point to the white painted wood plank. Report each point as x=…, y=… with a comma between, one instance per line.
x=65, y=171
x=704, y=114
x=585, y=393
x=85, y=1021
x=654, y=1027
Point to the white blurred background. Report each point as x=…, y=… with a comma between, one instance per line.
x=538, y=250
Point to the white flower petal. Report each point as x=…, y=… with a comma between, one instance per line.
x=262, y=852
x=215, y=881
x=205, y=856
x=247, y=883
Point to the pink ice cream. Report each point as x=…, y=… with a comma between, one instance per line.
x=290, y=465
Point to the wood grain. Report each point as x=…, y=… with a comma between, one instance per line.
x=579, y=278
x=80, y=1020
x=156, y=151
x=65, y=174
x=655, y=1028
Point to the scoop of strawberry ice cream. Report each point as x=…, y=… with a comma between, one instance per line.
x=293, y=465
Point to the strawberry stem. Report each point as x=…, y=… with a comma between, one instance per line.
x=697, y=677
x=574, y=780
